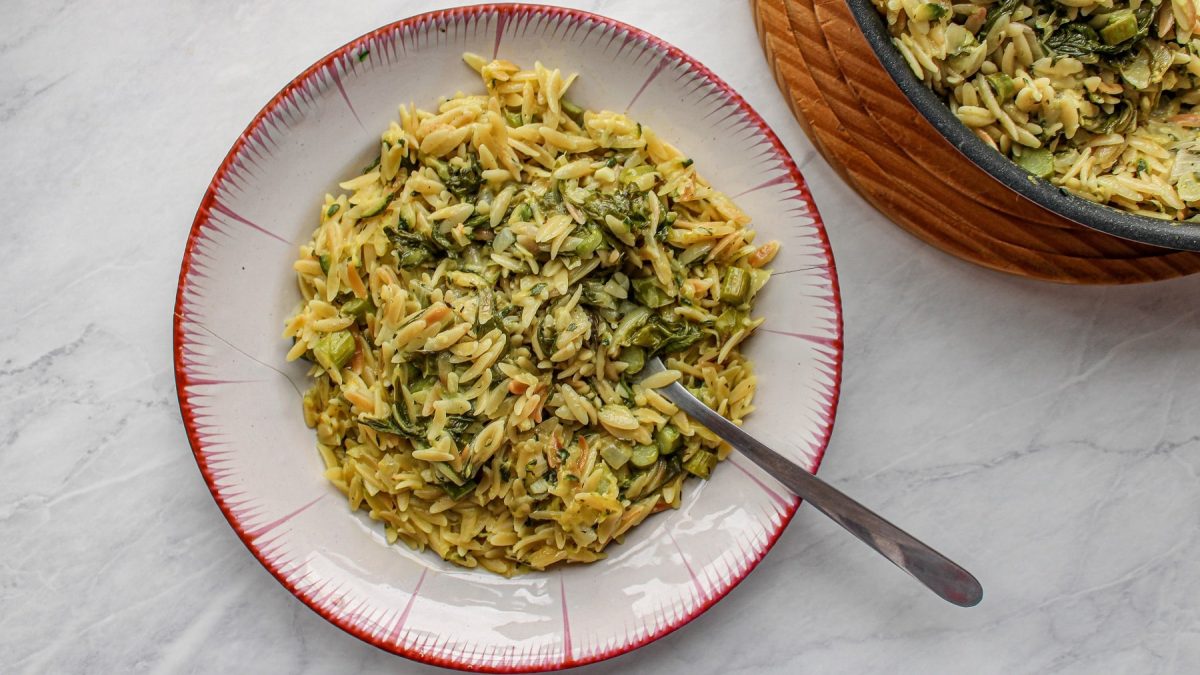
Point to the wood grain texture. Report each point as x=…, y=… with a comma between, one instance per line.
x=860, y=121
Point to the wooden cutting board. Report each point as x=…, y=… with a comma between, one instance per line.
x=876, y=140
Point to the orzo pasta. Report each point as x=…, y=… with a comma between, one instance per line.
x=477, y=305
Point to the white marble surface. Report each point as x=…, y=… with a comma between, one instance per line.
x=1047, y=437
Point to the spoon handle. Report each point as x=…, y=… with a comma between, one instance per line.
x=937, y=572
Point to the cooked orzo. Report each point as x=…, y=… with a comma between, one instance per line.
x=478, y=303
x=1097, y=96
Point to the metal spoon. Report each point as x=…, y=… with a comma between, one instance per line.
x=939, y=574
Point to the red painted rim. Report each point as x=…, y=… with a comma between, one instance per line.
x=186, y=406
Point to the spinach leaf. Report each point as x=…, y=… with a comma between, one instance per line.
x=457, y=492
x=1080, y=40
x=627, y=205
x=411, y=248
x=463, y=181
x=398, y=424
x=998, y=10
x=456, y=425
x=662, y=337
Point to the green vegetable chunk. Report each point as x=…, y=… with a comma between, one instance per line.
x=633, y=320
x=635, y=357
x=701, y=464
x=1188, y=187
x=335, y=349
x=729, y=321
x=570, y=108
x=929, y=11
x=358, y=307
x=591, y=240
x=1123, y=31
x=595, y=295
x=1037, y=161
x=668, y=439
x=324, y=260
x=1003, y=86
x=1120, y=27
x=644, y=456
x=376, y=205
x=735, y=286
x=613, y=451
x=649, y=293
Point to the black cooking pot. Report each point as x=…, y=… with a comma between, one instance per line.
x=1184, y=236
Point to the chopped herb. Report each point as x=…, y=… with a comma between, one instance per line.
x=362, y=56
x=686, y=163
x=333, y=208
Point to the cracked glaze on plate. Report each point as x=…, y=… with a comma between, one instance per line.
x=241, y=402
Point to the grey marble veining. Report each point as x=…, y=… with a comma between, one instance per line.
x=1047, y=437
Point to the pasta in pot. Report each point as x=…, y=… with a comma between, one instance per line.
x=1096, y=96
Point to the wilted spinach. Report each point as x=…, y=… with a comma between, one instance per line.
x=1080, y=40
x=411, y=248
x=463, y=180
x=627, y=205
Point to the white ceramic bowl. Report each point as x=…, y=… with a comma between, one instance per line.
x=241, y=401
